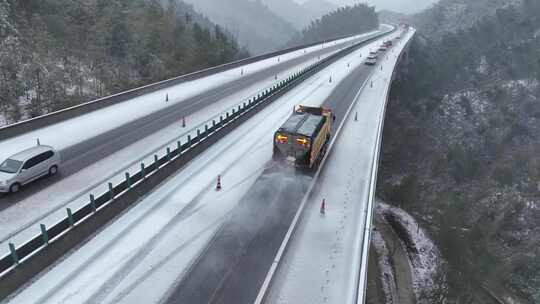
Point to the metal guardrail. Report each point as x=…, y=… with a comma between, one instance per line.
x=134, y=185
x=361, y=283
x=71, y=112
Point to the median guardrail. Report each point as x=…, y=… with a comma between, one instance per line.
x=44, y=249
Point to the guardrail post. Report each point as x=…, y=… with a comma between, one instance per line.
x=239, y=108
x=93, y=203
x=220, y=119
x=213, y=122
x=169, y=154
x=128, y=180
x=44, y=234
x=198, y=133
x=14, y=255
x=189, y=140
x=156, y=160
x=111, y=192
x=179, y=147
x=70, y=217
x=205, y=128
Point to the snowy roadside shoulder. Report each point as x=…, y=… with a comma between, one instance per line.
x=429, y=282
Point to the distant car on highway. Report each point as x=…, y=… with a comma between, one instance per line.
x=373, y=54
x=382, y=48
x=27, y=166
x=371, y=60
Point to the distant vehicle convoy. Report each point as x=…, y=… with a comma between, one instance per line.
x=27, y=166
x=373, y=55
x=303, y=139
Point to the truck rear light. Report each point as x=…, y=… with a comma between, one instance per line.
x=303, y=142
x=282, y=139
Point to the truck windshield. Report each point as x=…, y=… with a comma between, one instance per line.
x=10, y=166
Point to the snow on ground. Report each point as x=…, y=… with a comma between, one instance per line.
x=20, y=222
x=329, y=247
x=386, y=270
x=515, y=86
x=425, y=259
x=140, y=256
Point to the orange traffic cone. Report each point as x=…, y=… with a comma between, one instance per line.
x=323, y=206
x=218, y=186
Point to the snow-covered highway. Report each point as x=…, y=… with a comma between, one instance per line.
x=100, y=146
x=144, y=255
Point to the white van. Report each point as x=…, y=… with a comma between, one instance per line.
x=27, y=166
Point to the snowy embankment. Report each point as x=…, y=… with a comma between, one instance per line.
x=386, y=269
x=424, y=257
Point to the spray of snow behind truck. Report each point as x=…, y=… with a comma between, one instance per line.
x=303, y=139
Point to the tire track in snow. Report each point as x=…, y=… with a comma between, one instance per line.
x=108, y=286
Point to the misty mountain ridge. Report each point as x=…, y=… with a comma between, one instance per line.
x=300, y=15
x=392, y=17
x=255, y=26
x=318, y=8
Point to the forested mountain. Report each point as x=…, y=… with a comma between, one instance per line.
x=251, y=22
x=347, y=20
x=56, y=53
x=453, y=15
x=461, y=150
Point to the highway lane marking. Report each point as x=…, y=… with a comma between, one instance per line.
x=273, y=268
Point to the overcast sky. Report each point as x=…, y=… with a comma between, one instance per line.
x=402, y=6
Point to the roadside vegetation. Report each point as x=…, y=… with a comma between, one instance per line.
x=461, y=150
x=55, y=54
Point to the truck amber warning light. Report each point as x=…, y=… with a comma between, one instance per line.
x=282, y=139
x=303, y=141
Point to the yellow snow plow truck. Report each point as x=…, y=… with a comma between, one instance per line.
x=303, y=139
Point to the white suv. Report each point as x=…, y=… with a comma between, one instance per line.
x=27, y=166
